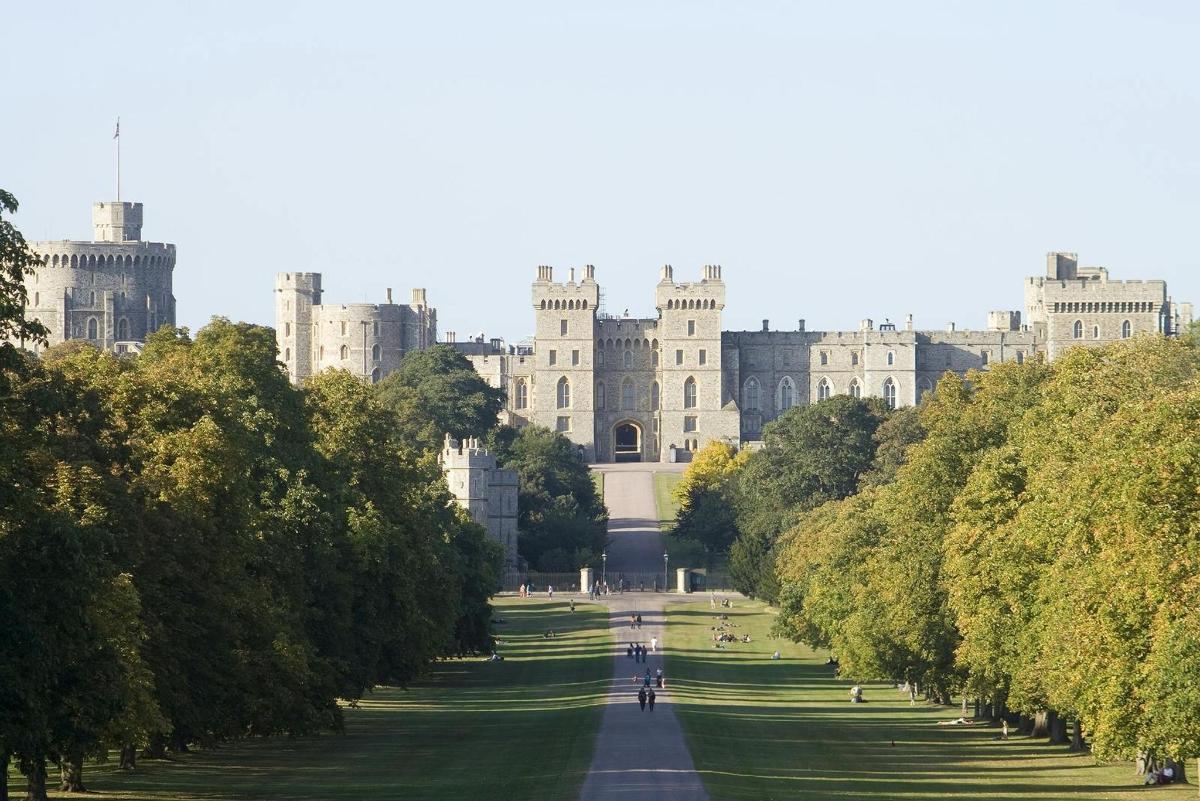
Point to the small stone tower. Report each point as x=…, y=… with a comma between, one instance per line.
x=295, y=296
x=565, y=315
x=488, y=494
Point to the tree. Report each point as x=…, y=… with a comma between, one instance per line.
x=436, y=392
x=561, y=523
x=705, y=496
x=17, y=261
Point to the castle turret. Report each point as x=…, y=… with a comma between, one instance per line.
x=488, y=494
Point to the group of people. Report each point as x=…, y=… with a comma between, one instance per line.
x=646, y=693
x=598, y=589
x=526, y=590
x=646, y=696
x=637, y=652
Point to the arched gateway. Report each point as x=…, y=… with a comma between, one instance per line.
x=627, y=442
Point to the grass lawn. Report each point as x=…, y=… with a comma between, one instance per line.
x=760, y=729
x=522, y=728
x=598, y=480
x=664, y=485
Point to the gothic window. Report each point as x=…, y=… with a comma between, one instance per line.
x=599, y=358
x=689, y=393
x=751, y=397
x=564, y=393
x=375, y=376
x=92, y=328
x=824, y=357
x=854, y=358
x=654, y=396
x=654, y=358
x=1077, y=329
x=1095, y=332
x=122, y=329
x=855, y=389
x=1126, y=330
x=600, y=396
x=344, y=352
x=343, y=328
x=523, y=393
x=787, y=394
x=287, y=354
x=93, y=297
x=984, y=357
x=628, y=395
x=1020, y=357
x=824, y=389
x=287, y=329
x=627, y=359
x=376, y=353
x=889, y=393
x=891, y=358
x=375, y=328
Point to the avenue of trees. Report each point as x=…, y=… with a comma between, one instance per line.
x=194, y=550
x=1028, y=537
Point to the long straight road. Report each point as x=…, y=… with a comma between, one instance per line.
x=638, y=752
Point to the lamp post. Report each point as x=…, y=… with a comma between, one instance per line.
x=666, y=581
x=604, y=568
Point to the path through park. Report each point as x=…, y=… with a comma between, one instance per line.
x=637, y=752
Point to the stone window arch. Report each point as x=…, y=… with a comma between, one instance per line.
x=287, y=354
x=824, y=389
x=1126, y=329
x=889, y=393
x=654, y=358
x=689, y=393
x=93, y=328
x=627, y=359
x=600, y=396
x=375, y=328
x=563, y=393
x=751, y=395
x=92, y=299
x=522, y=394
x=376, y=352
x=287, y=329
x=1095, y=332
x=375, y=376
x=785, y=397
x=344, y=352
x=855, y=388
x=628, y=394
x=1077, y=330
x=653, y=396
x=122, y=329
x=891, y=358
x=343, y=329
x=543, y=303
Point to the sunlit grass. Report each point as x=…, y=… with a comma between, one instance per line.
x=523, y=728
x=664, y=486
x=761, y=729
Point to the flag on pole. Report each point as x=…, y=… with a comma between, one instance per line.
x=117, y=133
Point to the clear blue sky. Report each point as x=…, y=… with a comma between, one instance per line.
x=840, y=160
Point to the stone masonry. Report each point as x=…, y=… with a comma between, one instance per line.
x=487, y=493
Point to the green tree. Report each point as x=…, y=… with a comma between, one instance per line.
x=436, y=392
x=705, y=496
x=17, y=261
x=562, y=523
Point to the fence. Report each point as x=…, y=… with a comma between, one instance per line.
x=561, y=582
x=702, y=581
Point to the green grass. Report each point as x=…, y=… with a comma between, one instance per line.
x=522, y=728
x=664, y=486
x=598, y=480
x=760, y=729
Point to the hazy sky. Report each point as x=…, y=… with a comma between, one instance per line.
x=839, y=160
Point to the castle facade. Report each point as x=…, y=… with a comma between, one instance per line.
x=659, y=389
x=112, y=291
x=487, y=493
x=367, y=339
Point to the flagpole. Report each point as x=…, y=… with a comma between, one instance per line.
x=117, y=136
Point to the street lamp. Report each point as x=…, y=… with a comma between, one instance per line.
x=604, y=570
x=666, y=581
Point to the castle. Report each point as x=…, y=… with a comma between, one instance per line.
x=660, y=388
x=367, y=339
x=487, y=493
x=112, y=291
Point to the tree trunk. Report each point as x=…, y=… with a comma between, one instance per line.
x=72, y=773
x=1077, y=743
x=978, y=708
x=128, y=757
x=1041, y=724
x=1058, y=729
x=36, y=790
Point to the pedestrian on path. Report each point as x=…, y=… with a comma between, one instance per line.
x=550, y=589
x=642, y=698
x=629, y=651
x=639, y=622
x=653, y=645
x=650, y=699
x=646, y=681
x=572, y=604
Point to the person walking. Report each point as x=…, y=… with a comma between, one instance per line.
x=653, y=645
x=650, y=698
x=642, y=698
x=639, y=622
x=550, y=590
x=646, y=681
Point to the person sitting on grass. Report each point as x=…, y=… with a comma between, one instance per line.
x=856, y=696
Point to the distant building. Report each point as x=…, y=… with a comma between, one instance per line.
x=112, y=291
x=368, y=339
x=660, y=388
x=488, y=493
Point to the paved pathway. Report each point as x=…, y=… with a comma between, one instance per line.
x=638, y=752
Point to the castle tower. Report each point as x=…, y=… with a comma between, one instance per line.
x=488, y=494
x=112, y=291
x=295, y=296
x=563, y=392
x=690, y=334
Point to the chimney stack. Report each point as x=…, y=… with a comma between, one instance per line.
x=766, y=325
x=572, y=273
x=801, y=328
x=908, y=323
x=389, y=296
